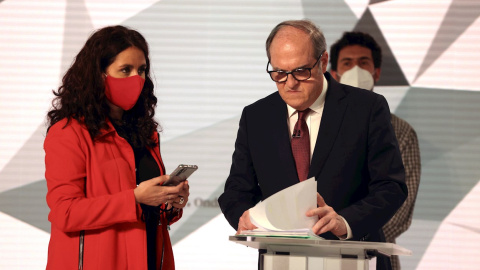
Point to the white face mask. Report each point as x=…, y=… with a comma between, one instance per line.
x=357, y=77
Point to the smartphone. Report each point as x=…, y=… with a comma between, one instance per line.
x=180, y=174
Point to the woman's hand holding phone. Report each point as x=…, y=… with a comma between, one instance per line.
x=180, y=174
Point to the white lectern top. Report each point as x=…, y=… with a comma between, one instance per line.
x=283, y=244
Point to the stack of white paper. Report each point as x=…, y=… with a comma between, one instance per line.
x=283, y=214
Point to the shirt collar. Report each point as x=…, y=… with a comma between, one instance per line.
x=317, y=106
x=111, y=129
x=104, y=132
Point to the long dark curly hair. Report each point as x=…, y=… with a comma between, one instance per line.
x=82, y=93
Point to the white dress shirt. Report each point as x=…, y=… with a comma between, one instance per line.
x=313, y=122
x=313, y=118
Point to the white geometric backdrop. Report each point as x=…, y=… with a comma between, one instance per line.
x=208, y=61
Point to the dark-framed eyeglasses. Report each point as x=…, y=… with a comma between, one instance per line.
x=300, y=74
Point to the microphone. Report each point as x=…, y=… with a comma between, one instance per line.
x=296, y=133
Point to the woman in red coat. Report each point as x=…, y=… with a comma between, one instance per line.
x=104, y=171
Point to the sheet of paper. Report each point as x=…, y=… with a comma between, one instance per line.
x=285, y=210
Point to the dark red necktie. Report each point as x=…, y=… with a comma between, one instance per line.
x=301, y=145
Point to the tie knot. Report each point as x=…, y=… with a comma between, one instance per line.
x=303, y=114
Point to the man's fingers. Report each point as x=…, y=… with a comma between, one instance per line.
x=324, y=225
x=328, y=218
x=240, y=228
x=320, y=200
x=330, y=224
x=320, y=211
x=244, y=223
x=316, y=228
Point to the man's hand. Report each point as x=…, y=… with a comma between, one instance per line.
x=329, y=220
x=244, y=223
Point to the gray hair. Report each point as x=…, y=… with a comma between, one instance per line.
x=316, y=36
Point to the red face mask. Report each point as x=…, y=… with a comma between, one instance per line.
x=124, y=92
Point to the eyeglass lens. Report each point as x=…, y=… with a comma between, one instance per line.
x=298, y=74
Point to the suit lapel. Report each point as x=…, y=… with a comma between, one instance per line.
x=282, y=141
x=334, y=109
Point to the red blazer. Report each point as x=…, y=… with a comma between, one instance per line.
x=104, y=170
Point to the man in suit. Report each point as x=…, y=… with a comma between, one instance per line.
x=356, y=60
x=351, y=147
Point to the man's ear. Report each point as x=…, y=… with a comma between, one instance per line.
x=324, y=61
x=376, y=74
x=334, y=75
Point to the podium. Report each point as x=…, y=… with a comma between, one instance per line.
x=284, y=253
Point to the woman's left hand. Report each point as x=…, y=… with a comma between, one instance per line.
x=182, y=199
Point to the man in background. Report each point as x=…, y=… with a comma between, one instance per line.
x=314, y=126
x=355, y=60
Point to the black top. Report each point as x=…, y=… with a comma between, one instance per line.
x=145, y=168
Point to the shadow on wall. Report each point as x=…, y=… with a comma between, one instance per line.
x=447, y=126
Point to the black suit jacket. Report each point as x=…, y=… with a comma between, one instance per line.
x=356, y=161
